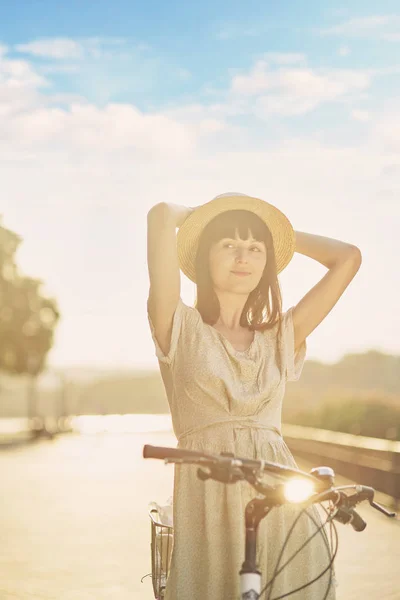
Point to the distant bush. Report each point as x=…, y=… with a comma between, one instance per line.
x=374, y=417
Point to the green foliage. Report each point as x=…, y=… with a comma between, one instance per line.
x=372, y=417
x=371, y=370
x=27, y=318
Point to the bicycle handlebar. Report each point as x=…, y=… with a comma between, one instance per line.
x=164, y=453
x=225, y=459
x=228, y=468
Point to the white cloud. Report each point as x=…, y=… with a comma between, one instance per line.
x=211, y=125
x=67, y=48
x=392, y=172
x=279, y=84
x=103, y=68
x=19, y=74
x=381, y=27
x=387, y=130
x=361, y=24
x=53, y=48
x=19, y=88
x=59, y=68
x=258, y=80
x=115, y=127
x=360, y=115
x=294, y=91
x=32, y=122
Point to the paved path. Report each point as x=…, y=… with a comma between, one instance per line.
x=74, y=524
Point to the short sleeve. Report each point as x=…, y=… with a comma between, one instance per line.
x=293, y=361
x=183, y=319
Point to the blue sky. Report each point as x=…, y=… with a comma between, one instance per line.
x=159, y=54
x=108, y=107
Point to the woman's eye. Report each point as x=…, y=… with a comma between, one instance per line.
x=230, y=245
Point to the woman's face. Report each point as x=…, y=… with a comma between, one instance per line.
x=237, y=265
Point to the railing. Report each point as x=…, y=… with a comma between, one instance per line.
x=372, y=461
x=22, y=430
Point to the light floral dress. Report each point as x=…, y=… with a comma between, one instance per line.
x=222, y=399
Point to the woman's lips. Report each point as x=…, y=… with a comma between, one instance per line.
x=240, y=273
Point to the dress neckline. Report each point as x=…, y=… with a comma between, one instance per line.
x=228, y=343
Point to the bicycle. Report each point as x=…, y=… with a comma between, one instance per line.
x=298, y=487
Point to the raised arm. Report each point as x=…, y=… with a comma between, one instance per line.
x=342, y=261
x=163, y=266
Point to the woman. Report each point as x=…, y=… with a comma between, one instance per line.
x=225, y=364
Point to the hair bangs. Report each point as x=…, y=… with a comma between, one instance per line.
x=228, y=223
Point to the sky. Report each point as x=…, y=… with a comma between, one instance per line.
x=107, y=108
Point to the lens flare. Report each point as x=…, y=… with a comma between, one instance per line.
x=298, y=490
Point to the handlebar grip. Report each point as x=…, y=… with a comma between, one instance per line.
x=159, y=452
x=165, y=452
x=349, y=515
x=358, y=523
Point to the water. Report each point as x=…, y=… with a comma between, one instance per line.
x=75, y=524
x=91, y=424
x=74, y=511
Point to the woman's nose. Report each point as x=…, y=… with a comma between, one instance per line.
x=241, y=255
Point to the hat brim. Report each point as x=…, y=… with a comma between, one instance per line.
x=189, y=233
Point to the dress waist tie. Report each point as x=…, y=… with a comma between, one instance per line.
x=240, y=422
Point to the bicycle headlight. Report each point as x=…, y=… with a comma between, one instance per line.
x=298, y=490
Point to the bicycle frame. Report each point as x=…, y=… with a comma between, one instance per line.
x=250, y=576
x=227, y=468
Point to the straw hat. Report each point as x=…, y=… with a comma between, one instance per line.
x=189, y=233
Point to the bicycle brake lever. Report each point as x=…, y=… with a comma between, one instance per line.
x=383, y=510
x=222, y=475
x=366, y=492
x=370, y=492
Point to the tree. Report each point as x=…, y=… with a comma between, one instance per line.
x=27, y=317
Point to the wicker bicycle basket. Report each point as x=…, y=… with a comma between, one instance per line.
x=162, y=537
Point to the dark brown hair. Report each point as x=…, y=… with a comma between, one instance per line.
x=263, y=308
